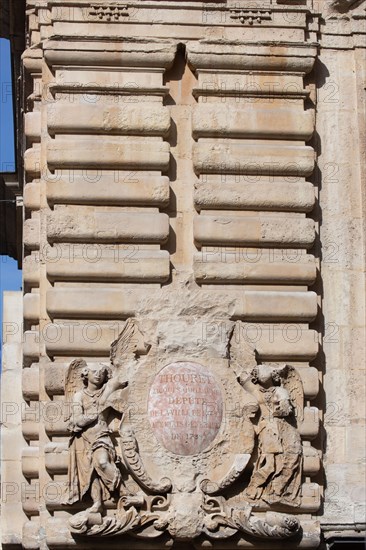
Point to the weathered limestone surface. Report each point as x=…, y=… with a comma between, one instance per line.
x=343, y=272
x=191, y=358
x=12, y=442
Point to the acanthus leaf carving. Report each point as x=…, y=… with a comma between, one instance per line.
x=123, y=521
x=275, y=525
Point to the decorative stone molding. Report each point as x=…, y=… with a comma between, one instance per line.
x=250, y=16
x=108, y=12
x=343, y=6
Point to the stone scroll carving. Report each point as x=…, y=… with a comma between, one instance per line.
x=168, y=465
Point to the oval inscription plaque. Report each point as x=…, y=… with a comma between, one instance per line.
x=185, y=407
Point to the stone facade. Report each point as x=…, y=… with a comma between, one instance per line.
x=191, y=354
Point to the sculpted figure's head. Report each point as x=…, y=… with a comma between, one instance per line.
x=282, y=405
x=96, y=373
x=262, y=374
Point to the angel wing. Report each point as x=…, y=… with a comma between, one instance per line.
x=73, y=383
x=241, y=354
x=128, y=344
x=291, y=381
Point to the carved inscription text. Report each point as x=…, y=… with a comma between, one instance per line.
x=185, y=407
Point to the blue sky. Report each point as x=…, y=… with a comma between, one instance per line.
x=7, y=163
x=10, y=275
x=10, y=279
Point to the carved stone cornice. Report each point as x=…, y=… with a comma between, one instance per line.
x=344, y=6
x=250, y=16
x=151, y=53
x=243, y=56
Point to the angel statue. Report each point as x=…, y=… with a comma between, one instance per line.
x=276, y=477
x=91, y=393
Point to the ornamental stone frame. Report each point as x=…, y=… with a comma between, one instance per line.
x=192, y=308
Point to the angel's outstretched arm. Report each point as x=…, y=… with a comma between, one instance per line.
x=79, y=420
x=118, y=382
x=245, y=380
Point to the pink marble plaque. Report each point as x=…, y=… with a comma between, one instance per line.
x=185, y=407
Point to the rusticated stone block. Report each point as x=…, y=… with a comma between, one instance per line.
x=237, y=266
x=111, y=153
x=31, y=345
x=145, y=52
x=31, y=307
x=31, y=270
x=130, y=189
x=32, y=195
x=312, y=464
x=54, y=378
x=30, y=382
x=222, y=120
x=240, y=157
x=309, y=428
x=56, y=458
x=116, y=265
x=30, y=462
x=32, y=126
x=89, y=303
x=76, y=338
x=262, y=195
x=276, y=306
x=145, y=119
x=31, y=234
x=254, y=231
x=102, y=226
x=245, y=57
x=32, y=161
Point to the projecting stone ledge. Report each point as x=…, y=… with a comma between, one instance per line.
x=276, y=306
x=215, y=120
x=113, y=189
x=254, y=231
x=92, y=303
x=109, y=153
x=239, y=265
x=144, y=119
x=100, y=226
x=213, y=54
x=256, y=195
x=116, y=265
x=133, y=52
x=244, y=157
